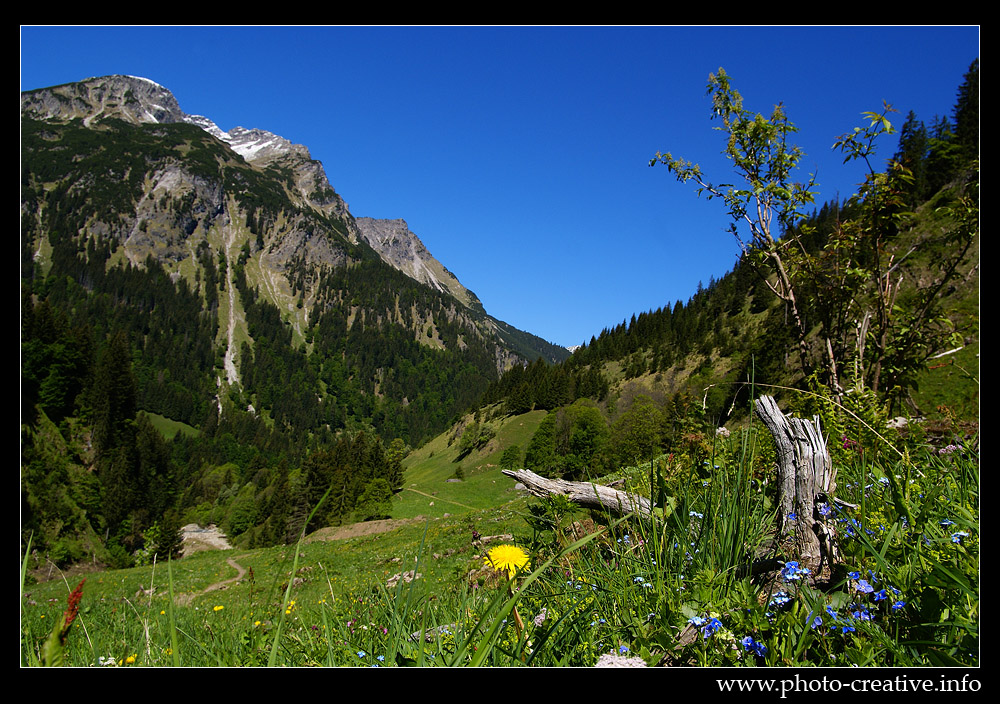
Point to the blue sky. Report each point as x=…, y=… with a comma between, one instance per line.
x=519, y=155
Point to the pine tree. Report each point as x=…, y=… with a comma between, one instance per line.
x=118, y=494
x=912, y=154
x=113, y=397
x=375, y=503
x=171, y=537
x=154, y=470
x=945, y=157
x=511, y=458
x=541, y=456
x=966, y=115
x=318, y=473
x=394, y=457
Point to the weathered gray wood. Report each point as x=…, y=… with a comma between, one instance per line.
x=806, y=481
x=583, y=493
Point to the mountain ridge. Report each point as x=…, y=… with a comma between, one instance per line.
x=115, y=174
x=143, y=101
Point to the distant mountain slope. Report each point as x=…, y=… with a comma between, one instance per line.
x=402, y=249
x=319, y=319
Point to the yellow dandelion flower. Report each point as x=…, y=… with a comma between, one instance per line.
x=162, y=613
x=507, y=558
x=218, y=608
x=130, y=659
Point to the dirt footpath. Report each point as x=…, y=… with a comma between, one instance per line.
x=197, y=538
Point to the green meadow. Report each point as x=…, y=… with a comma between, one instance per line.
x=673, y=589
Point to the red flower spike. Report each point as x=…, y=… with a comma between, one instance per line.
x=72, y=608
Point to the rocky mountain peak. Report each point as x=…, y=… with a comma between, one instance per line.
x=256, y=145
x=131, y=98
x=142, y=101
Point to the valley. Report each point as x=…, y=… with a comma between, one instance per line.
x=210, y=337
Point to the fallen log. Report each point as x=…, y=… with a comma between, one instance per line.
x=807, y=483
x=583, y=493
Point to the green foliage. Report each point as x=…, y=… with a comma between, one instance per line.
x=770, y=201
x=243, y=511
x=356, y=475
x=894, y=333
x=544, y=386
x=375, y=502
x=856, y=424
x=549, y=517
x=475, y=437
x=540, y=455
x=511, y=458
x=56, y=360
x=966, y=116
x=637, y=436
x=570, y=442
x=759, y=149
x=914, y=146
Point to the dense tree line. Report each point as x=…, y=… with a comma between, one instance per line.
x=127, y=493
x=403, y=355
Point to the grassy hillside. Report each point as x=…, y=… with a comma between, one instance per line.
x=229, y=621
x=169, y=428
x=427, y=491
x=670, y=592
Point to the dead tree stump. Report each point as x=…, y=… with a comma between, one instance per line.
x=806, y=484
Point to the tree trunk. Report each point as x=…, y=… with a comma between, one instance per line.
x=806, y=484
x=583, y=493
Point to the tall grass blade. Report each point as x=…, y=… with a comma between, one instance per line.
x=272, y=659
x=175, y=650
x=28, y=657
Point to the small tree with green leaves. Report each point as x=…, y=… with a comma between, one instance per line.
x=768, y=202
x=882, y=334
x=843, y=296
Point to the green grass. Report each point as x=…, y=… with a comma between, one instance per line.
x=952, y=382
x=906, y=592
x=429, y=468
x=339, y=580
x=169, y=428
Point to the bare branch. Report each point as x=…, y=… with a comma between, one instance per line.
x=583, y=493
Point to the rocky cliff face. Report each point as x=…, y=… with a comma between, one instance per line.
x=402, y=249
x=142, y=101
x=130, y=98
